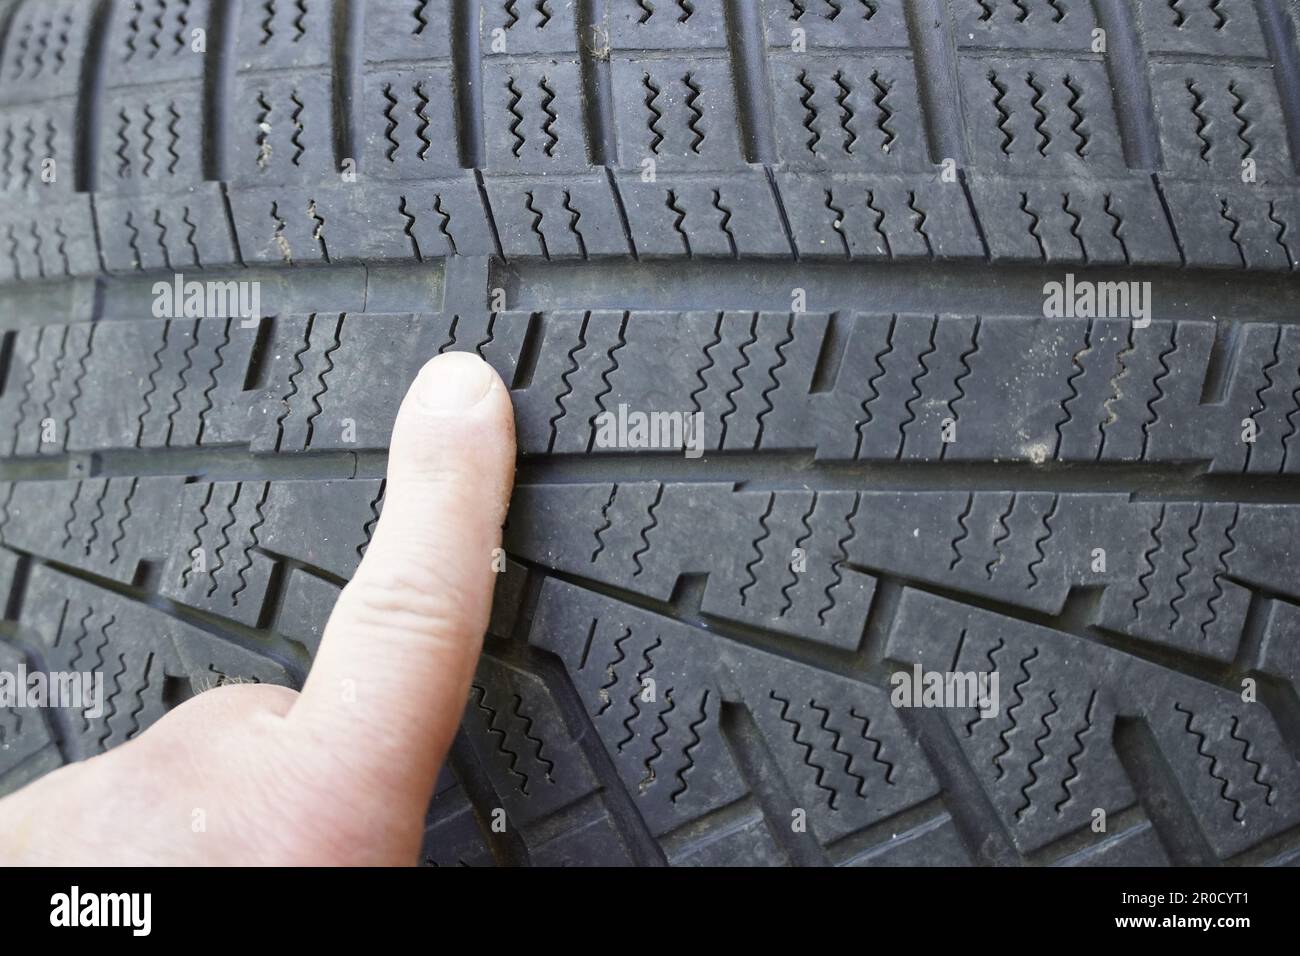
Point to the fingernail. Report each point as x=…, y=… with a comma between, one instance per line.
x=453, y=382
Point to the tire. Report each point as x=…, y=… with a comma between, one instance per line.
x=838, y=258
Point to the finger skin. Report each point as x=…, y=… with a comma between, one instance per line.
x=389, y=684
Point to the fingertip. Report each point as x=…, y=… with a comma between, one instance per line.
x=453, y=383
x=457, y=418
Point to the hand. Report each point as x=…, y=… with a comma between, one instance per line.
x=344, y=771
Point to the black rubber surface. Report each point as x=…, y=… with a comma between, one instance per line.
x=839, y=260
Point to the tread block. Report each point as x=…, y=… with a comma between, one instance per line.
x=160, y=232
x=283, y=128
x=577, y=220
x=770, y=333
x=850, y=23
x=1234, y=226
x=42, y=53
x=1030, y=24
x=580, y=402
x=1047, y=758
x=307, y=384
x=1260, y=555
x=680, y=114
x=643, y=536
x=415, y=220
x=1279, y=653
x=514, y=727
x=228, y=535
x=668, y=747
x=1214, y=118
x=839, y=745
x=673, y=25
x=1005, y=358
x=283, y=35
x=439, y=218
x=319, y=394
x=407, y=30
x=290, y=225
x=527, y=26
x=1116, y=221
x=848, y=113
x=705, y=216
x=53, y=238
x=1035, y=113
x=308, y=601
x=409, y=134
x=594, y=842
x=878, y=217
x=1179, y=596
x=107, y=526
x=1230, y=29
x=139, y=651
x=562, y=338
x=33, y=135
x=149, y=43
x=533, y=117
